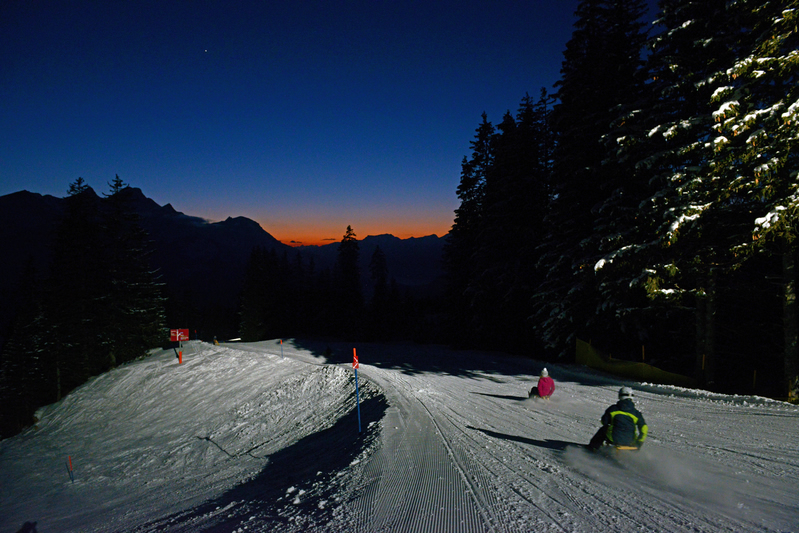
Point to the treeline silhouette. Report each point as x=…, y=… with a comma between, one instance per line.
x=100, y=306
x=649, y=205
x=285, y=297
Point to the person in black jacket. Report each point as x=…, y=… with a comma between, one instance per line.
x=622, y=424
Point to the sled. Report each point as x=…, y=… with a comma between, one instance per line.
x=534, y=394
x=610, y=449
x=621, y=457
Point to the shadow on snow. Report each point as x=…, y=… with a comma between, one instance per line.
x=412, y=359
x=559, y=445
x=317, y=458
x=503, y=396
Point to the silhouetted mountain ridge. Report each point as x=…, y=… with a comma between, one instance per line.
x=199, y=260
x=413, y=263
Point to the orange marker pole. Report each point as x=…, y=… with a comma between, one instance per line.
x=180, y=357
x=69, y=468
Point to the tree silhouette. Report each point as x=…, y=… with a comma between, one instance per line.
x=348, y=285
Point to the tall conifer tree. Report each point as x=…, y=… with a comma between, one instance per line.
x=136, y=320
x=511, y=228
x=755, y=160
x=75, y=303
x=601, y=81
x=23, y=387
x=462, y=237
x=348, y=279
x=379, y=310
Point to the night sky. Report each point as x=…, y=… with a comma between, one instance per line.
x=306, y=116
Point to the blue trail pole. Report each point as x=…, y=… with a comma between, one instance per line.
x=355, y=366
x=358, y=396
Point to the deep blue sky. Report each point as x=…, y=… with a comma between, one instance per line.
x=306, y=116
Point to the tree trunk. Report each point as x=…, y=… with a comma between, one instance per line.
x=57, y=383
x=699, y=366
x=790, y=326
x=710, y=331
x=706, y=332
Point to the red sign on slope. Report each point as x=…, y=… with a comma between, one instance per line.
x=176, y=335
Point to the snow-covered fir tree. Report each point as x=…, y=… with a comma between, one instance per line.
x=601, y=83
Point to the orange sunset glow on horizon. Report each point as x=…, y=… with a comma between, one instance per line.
x=311, y=235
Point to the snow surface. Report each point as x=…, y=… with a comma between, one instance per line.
x=239, y=438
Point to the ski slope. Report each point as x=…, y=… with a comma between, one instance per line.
x=264, y=437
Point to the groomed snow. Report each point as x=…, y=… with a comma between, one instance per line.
x=239, y=438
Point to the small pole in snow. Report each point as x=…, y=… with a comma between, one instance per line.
x=355, y=366
x=69, y=468
x=281, y=348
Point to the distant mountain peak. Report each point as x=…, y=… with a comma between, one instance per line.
x=240, y=221
x=382, y=238
x=132, y=193
x=134, y=196
x=89, y=192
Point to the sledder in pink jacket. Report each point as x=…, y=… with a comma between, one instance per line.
x=545, y=387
